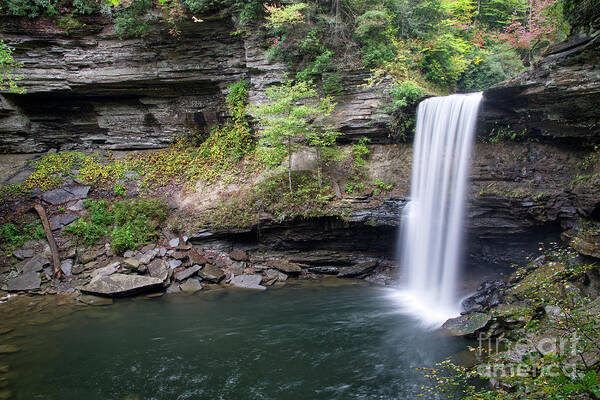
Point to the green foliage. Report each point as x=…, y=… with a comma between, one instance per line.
x=359, y=154
x=14, y=236
x=8, y=80
x=505, y=134
x=272, y=197
x=203, y=7
x=491, y=66
x=68, y=22
x=374, y=33
x=128, y=223
x=289, y=14
x=87, y=7
x=407, y=94
x=294, y=112
x=119, y=189
x=130, y=20
x=94, y=226
x=332, y=84
x=136, y=222
x=31, y=8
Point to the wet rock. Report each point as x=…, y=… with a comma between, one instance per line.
x=186, y=273
x=285, y=266
x=27, y=281
x=488, y=294
x=239, y=255
x=191, y=286
x=248, y=282
x=105, y=271
x=174, y=243
x=61, y=220
x=273, y=274
x=212, y=273
x=358, y=270
x=325, y=270
x=79, y=268
x=118, y=285
x=66, y=267
x=63, y=195
x=35, y=264
x=159, y=269
x=466, y=325
x=9, y=348
x=173, y=288
x=23, y=254
x=94, y=300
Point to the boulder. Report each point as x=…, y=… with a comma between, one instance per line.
x=358, y=270
x=238, y=255
x=186, y=273
x=180, y=255
x=466, y=325
x=86, y=256
x=78, y=269
x=105, y=271
x=23, y=254
x=174, y=242
x=66, y=267
x=271, y=274
x=212, y=273
x=27, y=281
x=248, y=282
x=196, y=257
x=174, y=264
x=191, y=286
x=146, y=257
x=61, y=220
x=173, y=288
x=118, y=285
x=66, y=194
x=285, y=266
x=131, y=263
x=35, y=264
x=158, y=269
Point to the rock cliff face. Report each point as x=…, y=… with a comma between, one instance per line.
x=93, y=90
x=558, y=99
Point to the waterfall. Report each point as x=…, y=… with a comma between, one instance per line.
x=431, y=236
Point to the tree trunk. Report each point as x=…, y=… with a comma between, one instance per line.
x=319, y=166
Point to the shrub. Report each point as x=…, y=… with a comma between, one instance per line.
x=32, y=8
x=128, y=223
x=373, y=32
x=86, y=7
x=13, y=236
x=130, y=20
x=8, y=80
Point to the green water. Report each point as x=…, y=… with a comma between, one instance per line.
x=306, y=342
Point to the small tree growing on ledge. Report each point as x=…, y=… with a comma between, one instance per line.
x=8, y=80
x=291, y=116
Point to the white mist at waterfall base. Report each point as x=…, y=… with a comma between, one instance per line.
x=430, y=242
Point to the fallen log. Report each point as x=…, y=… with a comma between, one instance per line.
x=53, y=247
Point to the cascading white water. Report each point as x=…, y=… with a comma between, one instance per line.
x=433, y=219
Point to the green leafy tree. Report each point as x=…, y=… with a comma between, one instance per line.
x=294, y=112
x=8, y=79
